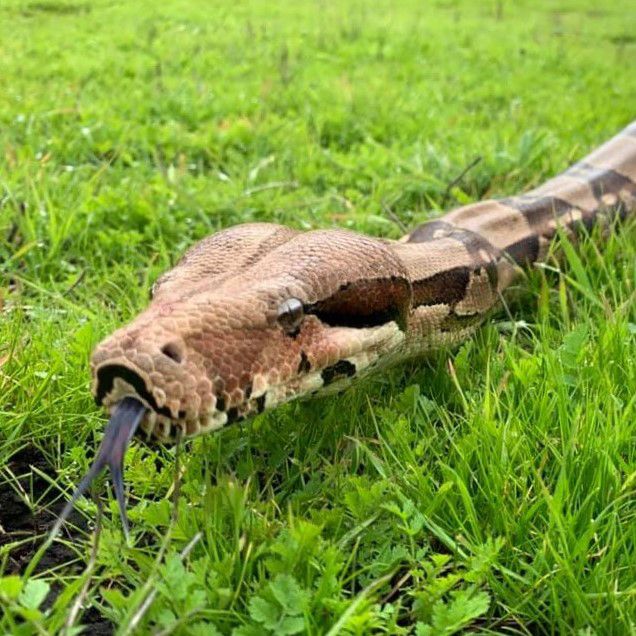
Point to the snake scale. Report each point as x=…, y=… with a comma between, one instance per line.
x=259, y=314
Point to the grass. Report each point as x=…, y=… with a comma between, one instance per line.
x=490, y=488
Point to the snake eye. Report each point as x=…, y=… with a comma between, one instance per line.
x=290, y=315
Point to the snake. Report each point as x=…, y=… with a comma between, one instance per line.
x=260, y=314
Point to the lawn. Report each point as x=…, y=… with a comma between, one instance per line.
x=489, y=488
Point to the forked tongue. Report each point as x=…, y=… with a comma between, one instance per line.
x=119, y=431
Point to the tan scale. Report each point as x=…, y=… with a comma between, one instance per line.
x=499, y=223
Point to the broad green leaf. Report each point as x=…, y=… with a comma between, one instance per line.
x=34, y=593
x=291, y=625
x=464, y=607
x=289, y=594
x=264, y=612
x=203, y=629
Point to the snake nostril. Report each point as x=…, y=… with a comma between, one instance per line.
x=173, y=351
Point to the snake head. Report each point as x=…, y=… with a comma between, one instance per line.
x=252, y=317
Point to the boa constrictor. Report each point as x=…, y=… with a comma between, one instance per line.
x=260, y=314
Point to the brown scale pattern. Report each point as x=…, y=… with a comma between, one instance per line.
x=210, y=350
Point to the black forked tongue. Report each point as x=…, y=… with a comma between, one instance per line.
x=119, y=431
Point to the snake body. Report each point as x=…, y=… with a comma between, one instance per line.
x=260, y=314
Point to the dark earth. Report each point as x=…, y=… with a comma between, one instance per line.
x=18, y=521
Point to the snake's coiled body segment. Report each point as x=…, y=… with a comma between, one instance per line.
x=260, y=314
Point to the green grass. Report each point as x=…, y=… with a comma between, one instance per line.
x=489, y=488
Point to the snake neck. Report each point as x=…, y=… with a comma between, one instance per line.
x=459, y=265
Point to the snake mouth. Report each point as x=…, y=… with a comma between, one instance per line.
x=115, y=381
x=106, y=376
